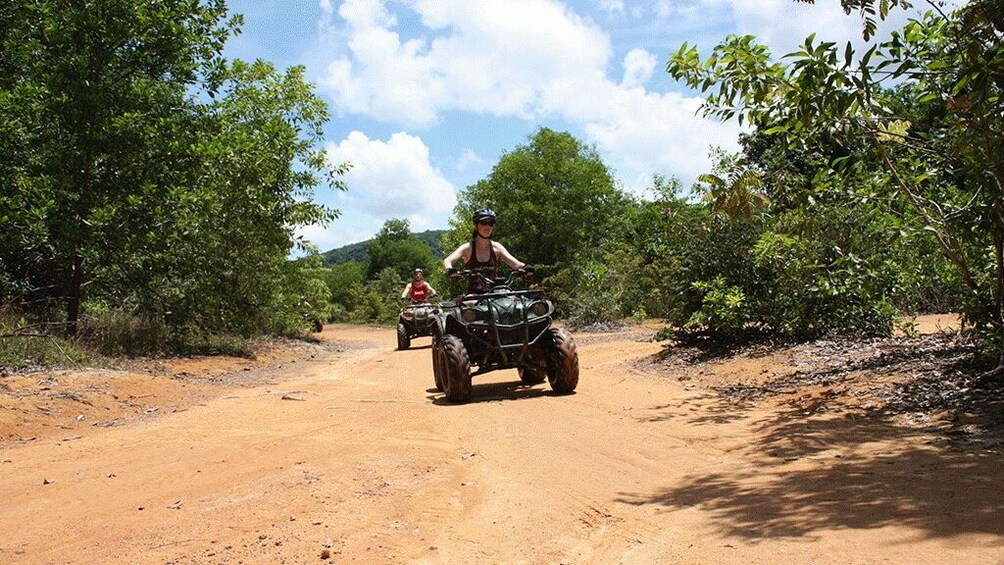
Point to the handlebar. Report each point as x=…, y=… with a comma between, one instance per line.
x=413, y=302
x=483, y=272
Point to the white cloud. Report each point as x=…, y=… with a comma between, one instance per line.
x=645, y=133
x=612, y=6
x=392, y=178
x=762, y=17
x=324, y=239
x=783, y=25
x=488, y=57
x=539, y=61
x=526, y=59
x=468, y=159
x=638, y=67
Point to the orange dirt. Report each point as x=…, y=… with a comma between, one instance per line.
x=343, y=452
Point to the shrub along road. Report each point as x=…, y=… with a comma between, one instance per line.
x=347, y=453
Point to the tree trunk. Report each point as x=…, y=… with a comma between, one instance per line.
x=75, y=297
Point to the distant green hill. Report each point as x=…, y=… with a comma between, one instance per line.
x=358, y=251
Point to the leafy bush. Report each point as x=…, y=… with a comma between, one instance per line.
x=723, y=312
x=380, y=302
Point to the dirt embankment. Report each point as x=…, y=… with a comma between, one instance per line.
x=881, y=451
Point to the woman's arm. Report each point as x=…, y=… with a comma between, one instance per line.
x=503, y=254
x=459, y=253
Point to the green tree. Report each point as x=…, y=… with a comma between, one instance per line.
x=554, y=197
x=947, y=166
x=396, y=248
x=88, y=85
x=379, y=302
x=736, y=195
x=346, y=283
x=147, y=170
x=636, y=270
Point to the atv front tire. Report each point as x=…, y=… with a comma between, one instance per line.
x=438, y=364
x=562, y=362
x=457, y=367
x=403, y=341
x=536, y=372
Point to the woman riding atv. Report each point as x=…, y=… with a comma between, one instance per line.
x=418, y=290
x=481, y=251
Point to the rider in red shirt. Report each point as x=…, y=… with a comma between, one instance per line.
x=418, y=290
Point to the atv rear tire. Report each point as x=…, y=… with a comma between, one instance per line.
x=563, y=362
x=457, y=367
x=403, y=341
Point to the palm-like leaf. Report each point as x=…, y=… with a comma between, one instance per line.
x=738, y=197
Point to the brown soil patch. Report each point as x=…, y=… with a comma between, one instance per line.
x=833, y=452
x=63, y=404
x=929, y=380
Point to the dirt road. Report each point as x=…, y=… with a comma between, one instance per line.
x=351, y=456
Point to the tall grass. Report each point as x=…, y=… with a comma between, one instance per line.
x=28, y=345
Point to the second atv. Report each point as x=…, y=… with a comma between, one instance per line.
x=415, y=320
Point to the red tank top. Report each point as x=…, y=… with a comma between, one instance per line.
x=419, y=291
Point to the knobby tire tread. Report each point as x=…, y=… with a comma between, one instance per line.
x=564, y=362
x=458, y=370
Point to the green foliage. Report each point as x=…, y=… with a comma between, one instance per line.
x=150, y=180
x=589, y=292
x=346, y=284
x=25, y=345
x=90, y=87
x=931, y=146
x=379, y=302
x=116, y=331
x=361, y=295
x=554, y=198
x=397, y=249
x=723, y=309
x=739, y=194
x=826, y=275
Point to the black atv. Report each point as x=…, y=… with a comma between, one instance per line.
x=314, y=321
x=415, y=320
x=500, y=329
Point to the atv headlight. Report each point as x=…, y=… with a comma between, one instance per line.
x=408, y=314
x=469, y=315
x=539, y=309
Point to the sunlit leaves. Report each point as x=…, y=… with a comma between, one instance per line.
x=554, y=197
x=148, y=170
x=929, y=101
x=894, y=132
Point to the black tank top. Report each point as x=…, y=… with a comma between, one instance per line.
x=476, y=285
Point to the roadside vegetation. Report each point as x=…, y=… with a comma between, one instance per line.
x=153, y=190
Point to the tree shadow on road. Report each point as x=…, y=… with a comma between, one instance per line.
x=819, y=463
x=942, y=494
x=809, y=476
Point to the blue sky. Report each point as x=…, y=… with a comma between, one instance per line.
x=426, y=95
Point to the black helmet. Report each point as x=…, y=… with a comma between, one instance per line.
x=482, y=214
